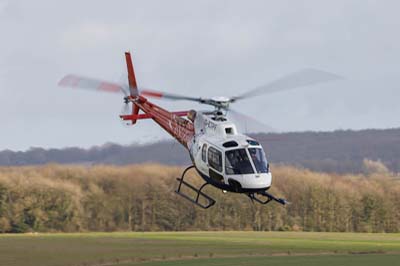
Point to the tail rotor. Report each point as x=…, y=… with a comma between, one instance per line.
x=130, y=90
x=126, y=110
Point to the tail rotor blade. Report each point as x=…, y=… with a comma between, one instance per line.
x=126, y=110
x=125, y=90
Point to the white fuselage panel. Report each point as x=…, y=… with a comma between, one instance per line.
x=213, y=133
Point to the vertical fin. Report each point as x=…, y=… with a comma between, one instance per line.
x=131, y=75
x=132, y=84
x=135, y=111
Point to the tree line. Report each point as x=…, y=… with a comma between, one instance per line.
x=67, y=198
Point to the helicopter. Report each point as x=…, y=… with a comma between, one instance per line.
x=224, y=158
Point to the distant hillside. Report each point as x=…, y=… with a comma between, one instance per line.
x=338, y=151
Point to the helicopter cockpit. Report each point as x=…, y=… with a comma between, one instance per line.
x=228, y=158
x=241, y=161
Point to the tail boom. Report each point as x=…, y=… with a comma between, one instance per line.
x=172, y=122
x=148, y=116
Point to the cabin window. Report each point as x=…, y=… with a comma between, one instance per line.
x=237, y=162
x=215, y=159
x=229, y=131
x=204, y=152
x=230, y=144
x=259, y=160
x=253, y=142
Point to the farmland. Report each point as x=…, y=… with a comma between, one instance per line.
x=199, y=248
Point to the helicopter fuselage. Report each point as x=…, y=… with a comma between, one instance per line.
x=227, y=159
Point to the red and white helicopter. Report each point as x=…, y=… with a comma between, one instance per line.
x=222, y=156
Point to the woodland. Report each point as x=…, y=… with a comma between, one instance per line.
x=80, y=198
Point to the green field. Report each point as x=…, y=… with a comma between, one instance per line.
x=200, y=248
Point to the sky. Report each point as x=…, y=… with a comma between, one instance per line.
x=196, y=48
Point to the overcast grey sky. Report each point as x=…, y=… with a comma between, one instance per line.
x=199, y=48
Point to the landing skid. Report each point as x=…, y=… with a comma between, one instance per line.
x=258, y=197
x=209, y=201
x=205, y=201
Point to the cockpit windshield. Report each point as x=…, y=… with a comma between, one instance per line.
x=237, y=162
x=260, y=162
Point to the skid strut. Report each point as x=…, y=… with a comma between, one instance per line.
x=210, y=201
x=267, y=198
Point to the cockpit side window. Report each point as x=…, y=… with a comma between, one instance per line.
x=215, y=159
x=260, y=162
x=237, y=162
x=204, y=152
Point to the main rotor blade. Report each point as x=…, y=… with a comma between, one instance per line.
x=165, y=95
x=81, y=82
x=302, y=78
x=247, y=124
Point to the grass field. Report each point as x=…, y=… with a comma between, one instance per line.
x=200, y=248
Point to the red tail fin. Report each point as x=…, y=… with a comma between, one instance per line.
x=131, y=75
x=132, y=85
x=135, y=112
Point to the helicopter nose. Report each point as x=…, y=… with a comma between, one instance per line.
x=256, y=181
x=263, y=180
